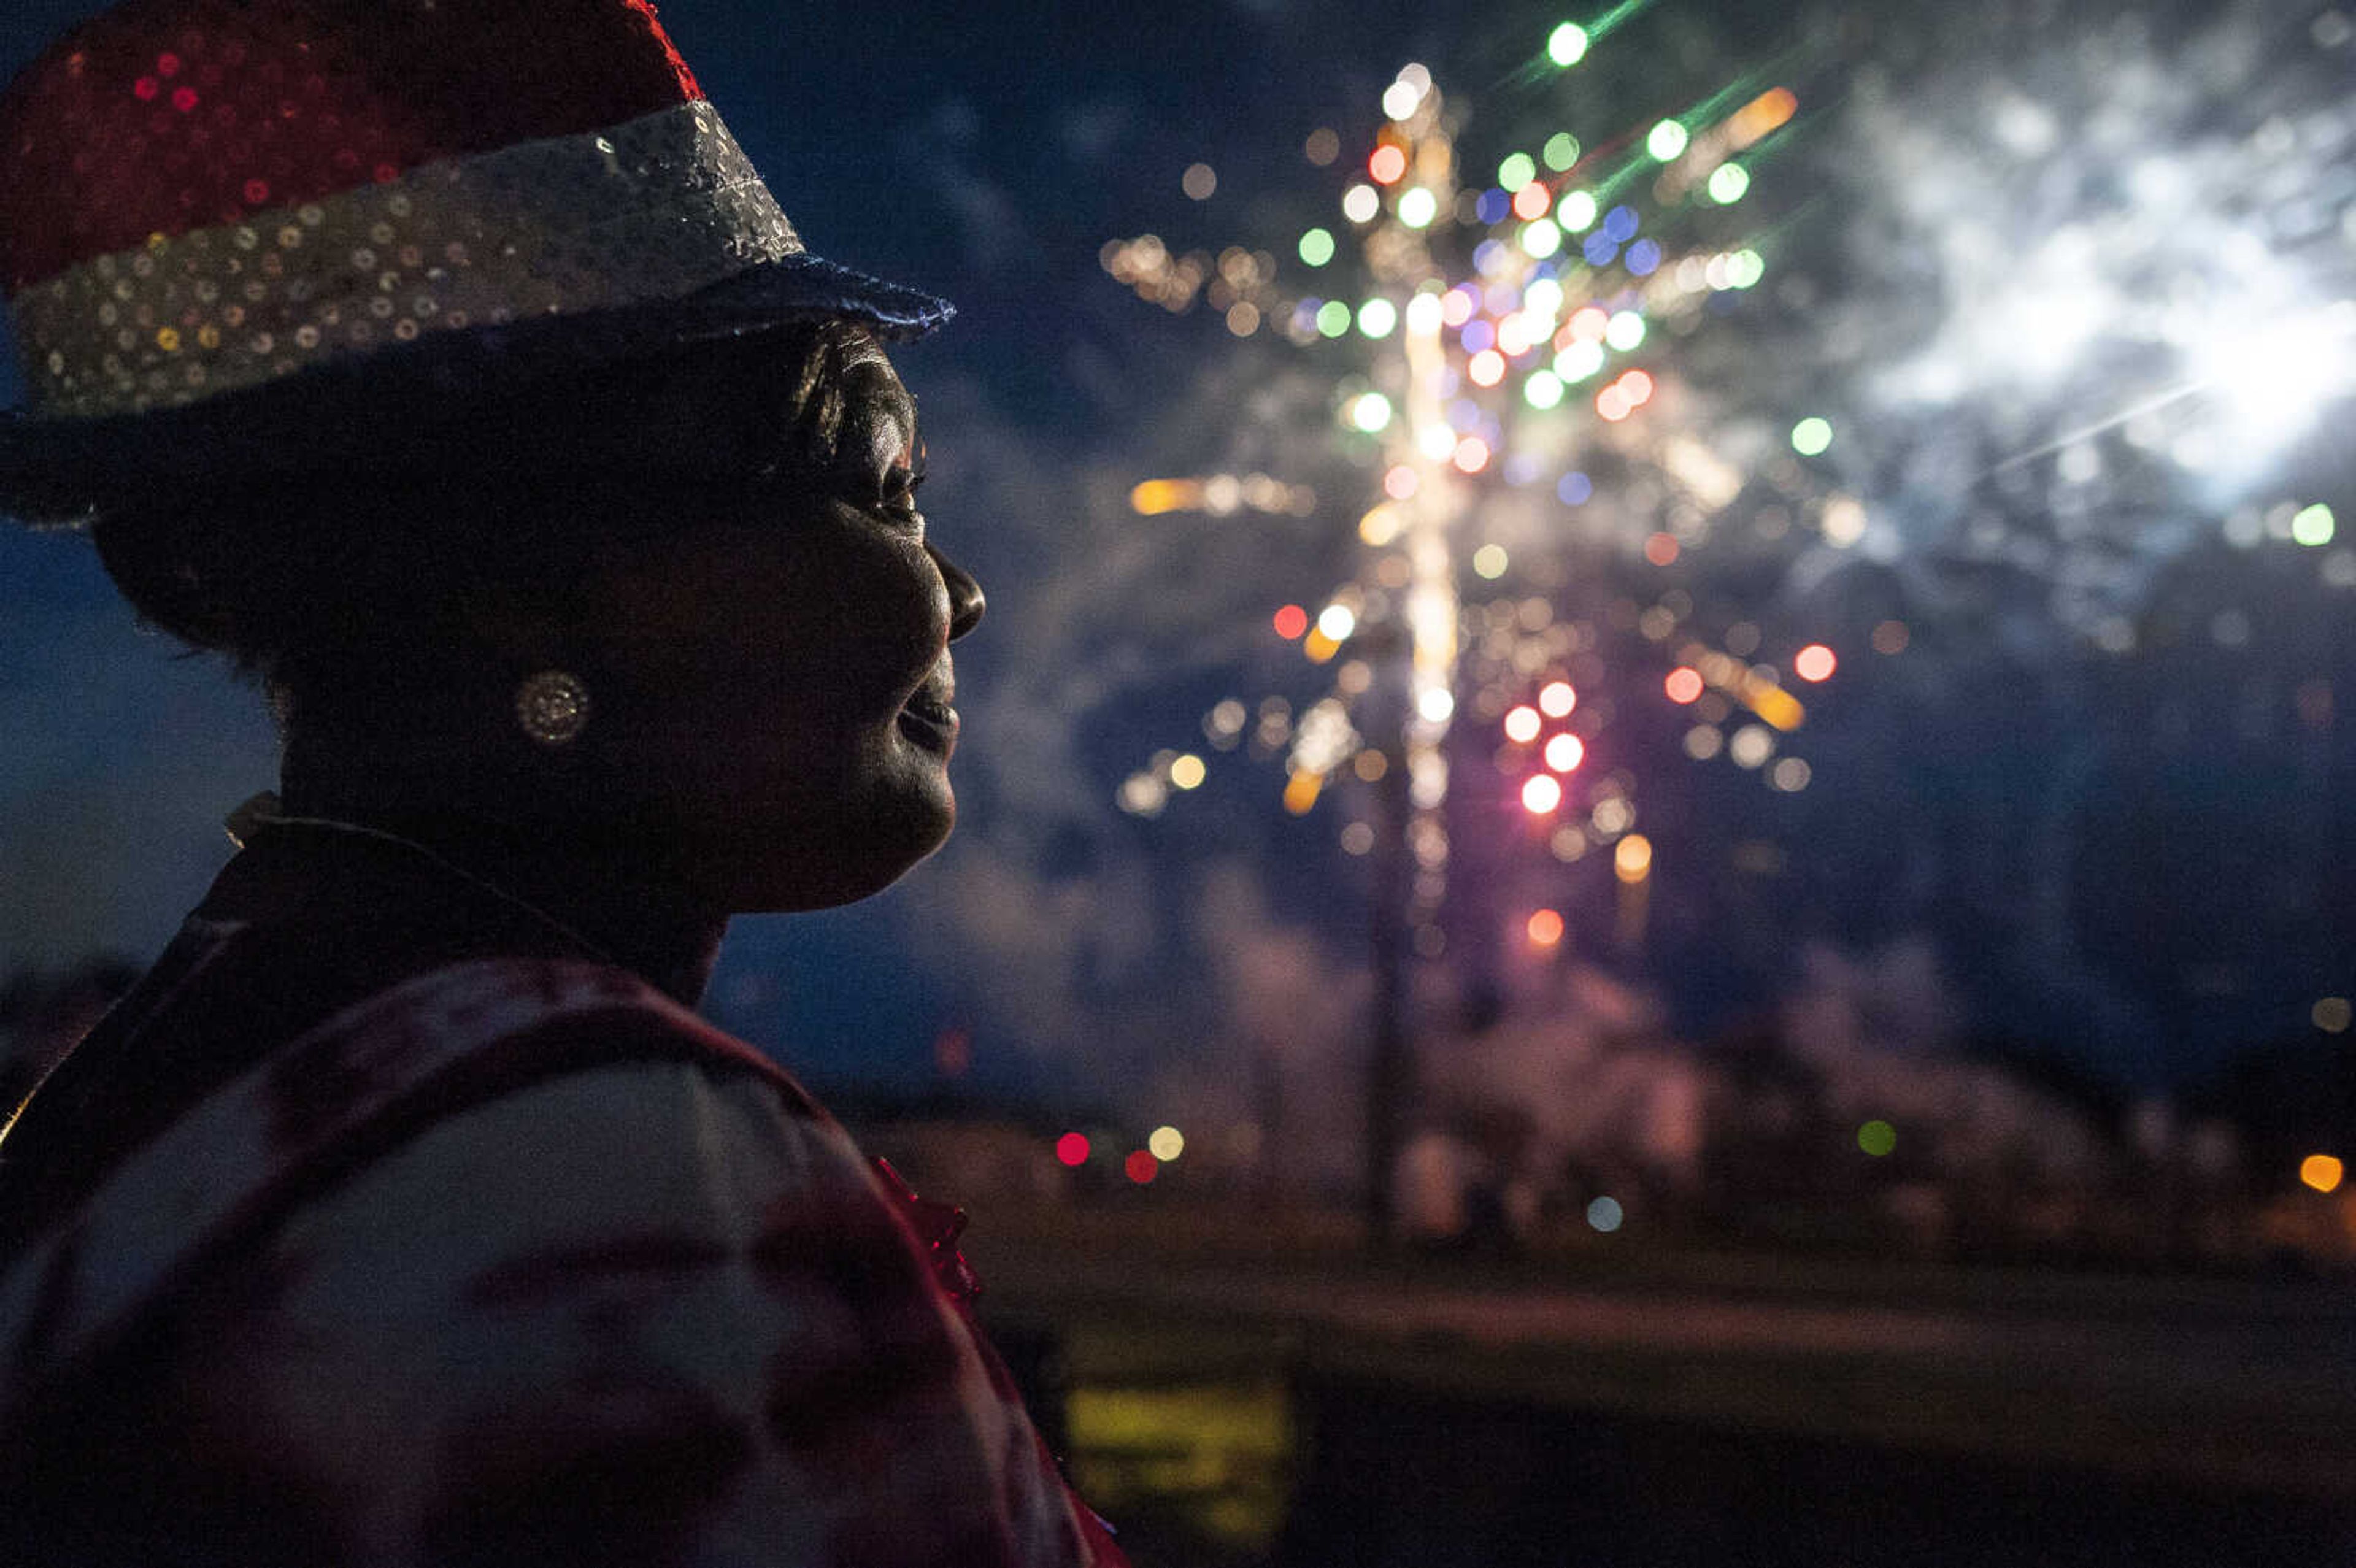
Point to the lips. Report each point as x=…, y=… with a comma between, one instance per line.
x=927, y=719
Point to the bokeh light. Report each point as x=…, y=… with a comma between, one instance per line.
x=1683, y=683
x=1815, y=662
x=1072, y=1148
x=1877, y=1138
x=1543, y=928
x=1290, y=622
x=1557, y=698
x=1141, y=1167
x=1564, y=753
x=1605, y=1214
x=1567, y=45
x=1540, y=795
x=1166, y=1143
x=1522, y=725
x=2322, y=1172
x=1811, y=436
x=1632, y=858
x=1317, y=246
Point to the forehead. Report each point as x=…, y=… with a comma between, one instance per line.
x=744, y=409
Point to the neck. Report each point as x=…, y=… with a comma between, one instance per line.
x=605, y=889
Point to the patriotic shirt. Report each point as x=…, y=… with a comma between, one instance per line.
x=336, y=1245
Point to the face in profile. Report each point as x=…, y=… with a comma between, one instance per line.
x=777, y=681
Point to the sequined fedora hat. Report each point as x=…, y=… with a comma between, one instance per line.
x=222, y=219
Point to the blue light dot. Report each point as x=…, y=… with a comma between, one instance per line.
x=1600, y=249
x=1605, y=1214
x=1573, y=488
x=1521, y=468
x=1464, y=413
x=1479, y=334
x=1489, y=255
x=1493, y=206
x=1621, y=224
x=1644, y=257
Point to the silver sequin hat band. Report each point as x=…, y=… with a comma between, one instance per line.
x=653, y=212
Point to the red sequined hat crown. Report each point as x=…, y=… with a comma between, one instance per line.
x=202, y=196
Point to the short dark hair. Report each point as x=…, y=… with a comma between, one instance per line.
x=306, y=576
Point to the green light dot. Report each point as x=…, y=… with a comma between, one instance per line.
x=1566, y=46
x=1543, y=390
x=1746, y=268
x=1576, y=212
x=1517, y=171
x=1371, y=413
x=1728, y=182
x=1877, y=1138
x=1667, y=140
x=1541, y=237
x=1811, y=436
x=1624, y=331
x=1561, y=151
x=1377, y=317
x=2313, y=525
x=1417, y=207
x=1317, y=246
x=1332, y=318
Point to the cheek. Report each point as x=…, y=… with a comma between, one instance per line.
x=805, y=628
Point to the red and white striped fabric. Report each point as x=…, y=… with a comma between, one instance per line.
x=518, y=1262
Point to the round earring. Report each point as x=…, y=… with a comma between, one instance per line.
x=552, y=706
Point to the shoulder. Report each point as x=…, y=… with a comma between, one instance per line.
x=405, y=1081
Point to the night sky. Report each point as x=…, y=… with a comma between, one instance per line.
x=2091, y=810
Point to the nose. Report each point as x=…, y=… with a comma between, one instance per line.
x=966, y=603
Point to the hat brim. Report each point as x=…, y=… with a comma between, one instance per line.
x=59, y=472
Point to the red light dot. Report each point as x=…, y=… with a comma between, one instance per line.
x=1531, y=201
x=1815, y=662
x=1661, y=549
x=1587, y=323
x=1564, y=753
x=1522, y=725
x=145, y=88
x=1290, y=622
x=1141, y=1166
x=184, y=99
x=1545, y=928
x=168, y=65
x=1387, y=165
x=1471, y=454
x=1540, y=793
x=385, y=174
x=1612, y=403
x=1684, y=684
x=257, y=192
x=1638, y=385
x=1557, y=698
x=1072, y=1148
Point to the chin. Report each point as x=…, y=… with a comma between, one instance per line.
x=827, y=871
